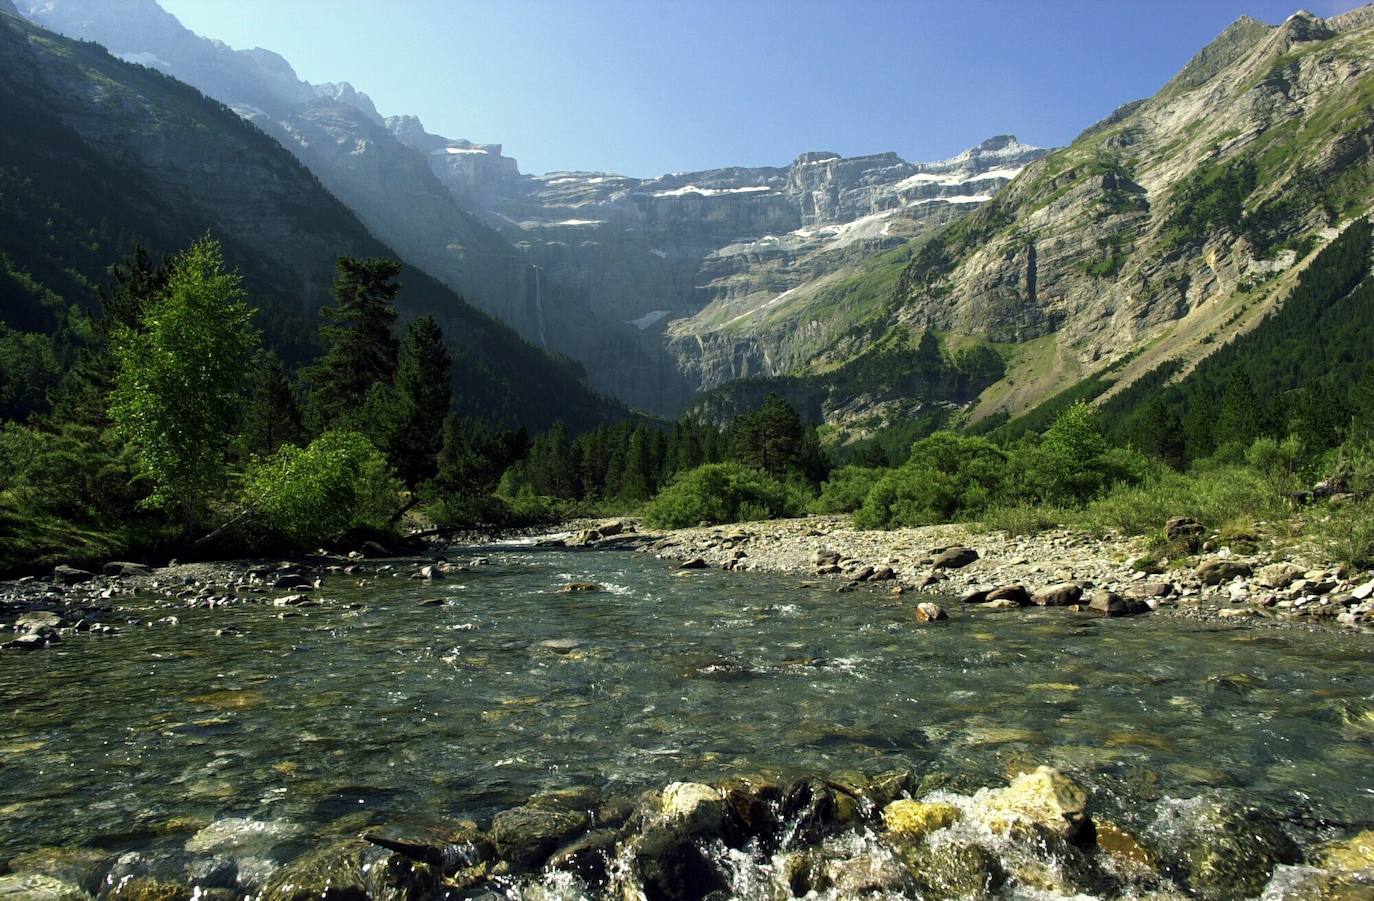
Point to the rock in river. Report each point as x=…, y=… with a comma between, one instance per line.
x=1061, y=595
x=526, y=836
x=929, y=613
x=1218, y=570
x=954, y=558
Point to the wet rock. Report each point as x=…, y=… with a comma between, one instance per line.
x=241, y=834
x=884, y=788
x=1125, y=847
x=929, y=613
x=694, y=563
x=1017, y=594
x=914, y=820
x=1147, y=590
x=1352, y=855
x=882, y=574
x=294, y=600
x=63, y=574
x=1218, y=849
x=292, y=582
x=526, y=836
x=39, y=887
x=954, y=558
x=954, y=870
x=1217, y=570
x=582, y=587
x=147, y=888
x=584, y=538
x=351, y=870
x=38, y=622
x=863, y=574
x=808, y=811
x=588, y=858
x=81, y=868
x=1044, y=798
x=1061, y=595
x=1002, y=604
x=431, y=573
x=30, y=642
x=372, y=550
x=693, y=808
x=1109, y=603
x=977, y=596
x=751, y=814
x=672, y=867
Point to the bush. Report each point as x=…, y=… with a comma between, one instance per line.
x=723, y=492
x=308, y=495
x=845, y=490
x=948, y=476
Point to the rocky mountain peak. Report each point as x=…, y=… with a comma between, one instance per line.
x=344, y=92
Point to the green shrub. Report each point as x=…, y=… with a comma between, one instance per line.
x=723, y=492
x=308, y=495
x=948, y=476
x=845, y=490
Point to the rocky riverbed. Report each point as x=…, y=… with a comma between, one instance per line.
x=1110, y=576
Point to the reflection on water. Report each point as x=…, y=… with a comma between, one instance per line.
x=375, y=705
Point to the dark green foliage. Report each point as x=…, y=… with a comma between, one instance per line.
x=847, y=487
x=769, y=439
x=423, y=398
x=723, y=492
x=29, y=369
x=1210, y=199
x=272, y=416
x=360, y=350
x=948, y=476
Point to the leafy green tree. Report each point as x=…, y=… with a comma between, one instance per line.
x=423, y=397
x=272, y=417
x=360, y=347
x=179, y=381
x=308, y=495
x=1071, y=462
x=948, y=476
x=723, y=492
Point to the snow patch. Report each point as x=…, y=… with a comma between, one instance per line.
x=711, y=192
x=953, y=198
x=443, y=150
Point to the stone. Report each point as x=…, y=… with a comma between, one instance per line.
x=1146, y=590
x=1184, y=528
x=120, y=568
x=977, y=596
x=671, y=866
x=38, y=621
x=1017, y=594
x=882, y=574
x=1353, y=854
x=81, y=868
x=351, y=870
x=1061, y=595
x=954, y=558
x=1044, y=798
x=1124, y=847
x=63, y=574
x=1003, y=604
x=863, y=574
x=292, y=582
x=39, y=887
x=1363, y=592
x=1236, y=612
x=588, y=858
x=955, y=870
x=526, y=836
x=582, y=587
x=809, y=806
x=930, y=613
x=611, y=528
x=825, y=558
x=1217, y=849
x=914, y=820
x=431, y=573
x=693, y=808
x=1217, y=570
x=694, y=563
x=1109, y=603
x=372, y=550
x=1278, y=575
x=31, y=642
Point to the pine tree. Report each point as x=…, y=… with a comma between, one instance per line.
x=361, y=349
x=769, y=439
x=637, y=484
x=272, y=417
x=1239, y=415
x=1161, y=434
x=423, y=396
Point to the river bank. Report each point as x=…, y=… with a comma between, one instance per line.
x=1112, y=575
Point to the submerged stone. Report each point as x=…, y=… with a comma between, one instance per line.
x=916, y=819
x=1043, y=798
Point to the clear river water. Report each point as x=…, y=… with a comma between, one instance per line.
x=382, y=704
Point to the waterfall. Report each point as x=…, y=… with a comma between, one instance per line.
x=539, y=310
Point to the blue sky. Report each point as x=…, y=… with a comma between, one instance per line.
x=644, y=88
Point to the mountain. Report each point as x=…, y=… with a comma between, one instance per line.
x=99, y=153
x=1159, y=233
x=622, y=274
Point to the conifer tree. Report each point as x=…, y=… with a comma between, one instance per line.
x=360, y=347
x=1238, y=416
x=769, y=439
x=271, y=417
x=423, y=396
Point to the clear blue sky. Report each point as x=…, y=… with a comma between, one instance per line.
x=644, y=87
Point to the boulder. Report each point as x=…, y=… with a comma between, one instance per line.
x=1278, y=575
x=977, y=596
x=292, y=582
x=351, y=870
x=584, y=537
x=431, y=573
x=693, y=808
x=120, y=568
x=929, y=613
x=1184, y=528
x=37, y=622
x=694, y=563
x=955, y=870
x=610, y=527
x=809, y=809
x=1017, y=594
x=1045, y=799
x=1109, y=603
x=1061, y=595
x=31, y=642
x=581, y=587
x=1215, y=848
x=672, y=867
x=526, y=836
x=954, y=558
x=825, y=558
x=914, y=820
x=1147, y=590
x=39, y=887
x=63, y=574
x=863, y=574
x=882, y=574
x=588, y=858
x=371, y=550
x=1217, y=570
